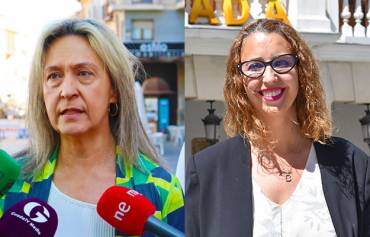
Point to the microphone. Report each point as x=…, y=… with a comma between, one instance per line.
x=130, y=212
x=31, y=217
x=9, y=172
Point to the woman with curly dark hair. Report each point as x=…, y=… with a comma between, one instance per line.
x=281, y=173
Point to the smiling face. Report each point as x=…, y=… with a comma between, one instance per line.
x=271, y=92
x=76, y=87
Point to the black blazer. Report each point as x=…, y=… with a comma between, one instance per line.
x=219, y=199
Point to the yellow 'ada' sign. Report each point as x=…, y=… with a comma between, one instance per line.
x=203, y=8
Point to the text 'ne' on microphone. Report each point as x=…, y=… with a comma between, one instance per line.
x=131, y=213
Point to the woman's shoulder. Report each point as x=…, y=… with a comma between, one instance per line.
x=225, y=156
x=343, y=147
x=153, y=173
x=230, y=147
x=154, y=169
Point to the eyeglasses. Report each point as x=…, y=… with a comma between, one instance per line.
x=281, y=64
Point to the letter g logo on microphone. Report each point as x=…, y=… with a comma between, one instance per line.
x=40, y=217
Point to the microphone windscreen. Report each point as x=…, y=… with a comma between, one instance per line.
x=125, y=209
x=9, y=172
x=30, y=217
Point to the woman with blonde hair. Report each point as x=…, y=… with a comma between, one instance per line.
x=85, y=131
x=282, y=173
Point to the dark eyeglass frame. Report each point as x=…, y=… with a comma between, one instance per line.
x=268, y=63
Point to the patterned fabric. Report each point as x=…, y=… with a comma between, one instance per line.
x=304, y=214
x=159, y=186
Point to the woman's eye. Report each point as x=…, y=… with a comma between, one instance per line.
x=53, y=76
x=84, y=73
x=281, y=63
x=255, y=66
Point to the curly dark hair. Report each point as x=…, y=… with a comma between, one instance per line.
x=312, y=114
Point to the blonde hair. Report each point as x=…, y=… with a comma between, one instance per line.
x=240, y=118
x=122, y=67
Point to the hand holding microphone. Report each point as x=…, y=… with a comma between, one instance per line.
x=130, y=212
x=9, y=172
x=31, y=217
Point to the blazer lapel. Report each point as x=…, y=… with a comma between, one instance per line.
x=239, y=189
x=226, y=200
x=338, y=186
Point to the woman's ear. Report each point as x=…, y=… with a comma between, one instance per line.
x=113, y=97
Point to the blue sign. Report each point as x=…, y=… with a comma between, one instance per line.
x=164, y=113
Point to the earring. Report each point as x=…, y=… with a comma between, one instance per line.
x=113, y=109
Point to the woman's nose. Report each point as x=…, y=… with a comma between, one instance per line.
x=69, y=87
x=269, y=75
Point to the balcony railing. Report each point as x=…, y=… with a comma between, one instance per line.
x=354, y=20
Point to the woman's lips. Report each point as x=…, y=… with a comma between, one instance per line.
x=71, y=112
x=272, y=94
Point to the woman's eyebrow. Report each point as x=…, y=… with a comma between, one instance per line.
x=85, y=64
x=77, y=65
x=263, y=60
x=255, y=59
x=51, y=68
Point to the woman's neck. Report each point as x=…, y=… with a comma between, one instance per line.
x=86, y=150
x=285, y=133
x=290, y=147
x=83, y=159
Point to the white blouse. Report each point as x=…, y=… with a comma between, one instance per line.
x=304, y=214
x=77, y=218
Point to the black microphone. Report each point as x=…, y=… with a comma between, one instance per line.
x=161, y=228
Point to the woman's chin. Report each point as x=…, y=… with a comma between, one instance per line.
x=72, y=131
x=272, y=108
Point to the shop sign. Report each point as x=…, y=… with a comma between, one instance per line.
x=155, y=49
x=203, y=8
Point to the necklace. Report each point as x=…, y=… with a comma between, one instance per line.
x=287, y=175
x=269, y=164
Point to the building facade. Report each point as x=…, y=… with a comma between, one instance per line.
x=15, y=58
x=153, y=31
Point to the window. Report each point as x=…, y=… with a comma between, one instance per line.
x=142, y=30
